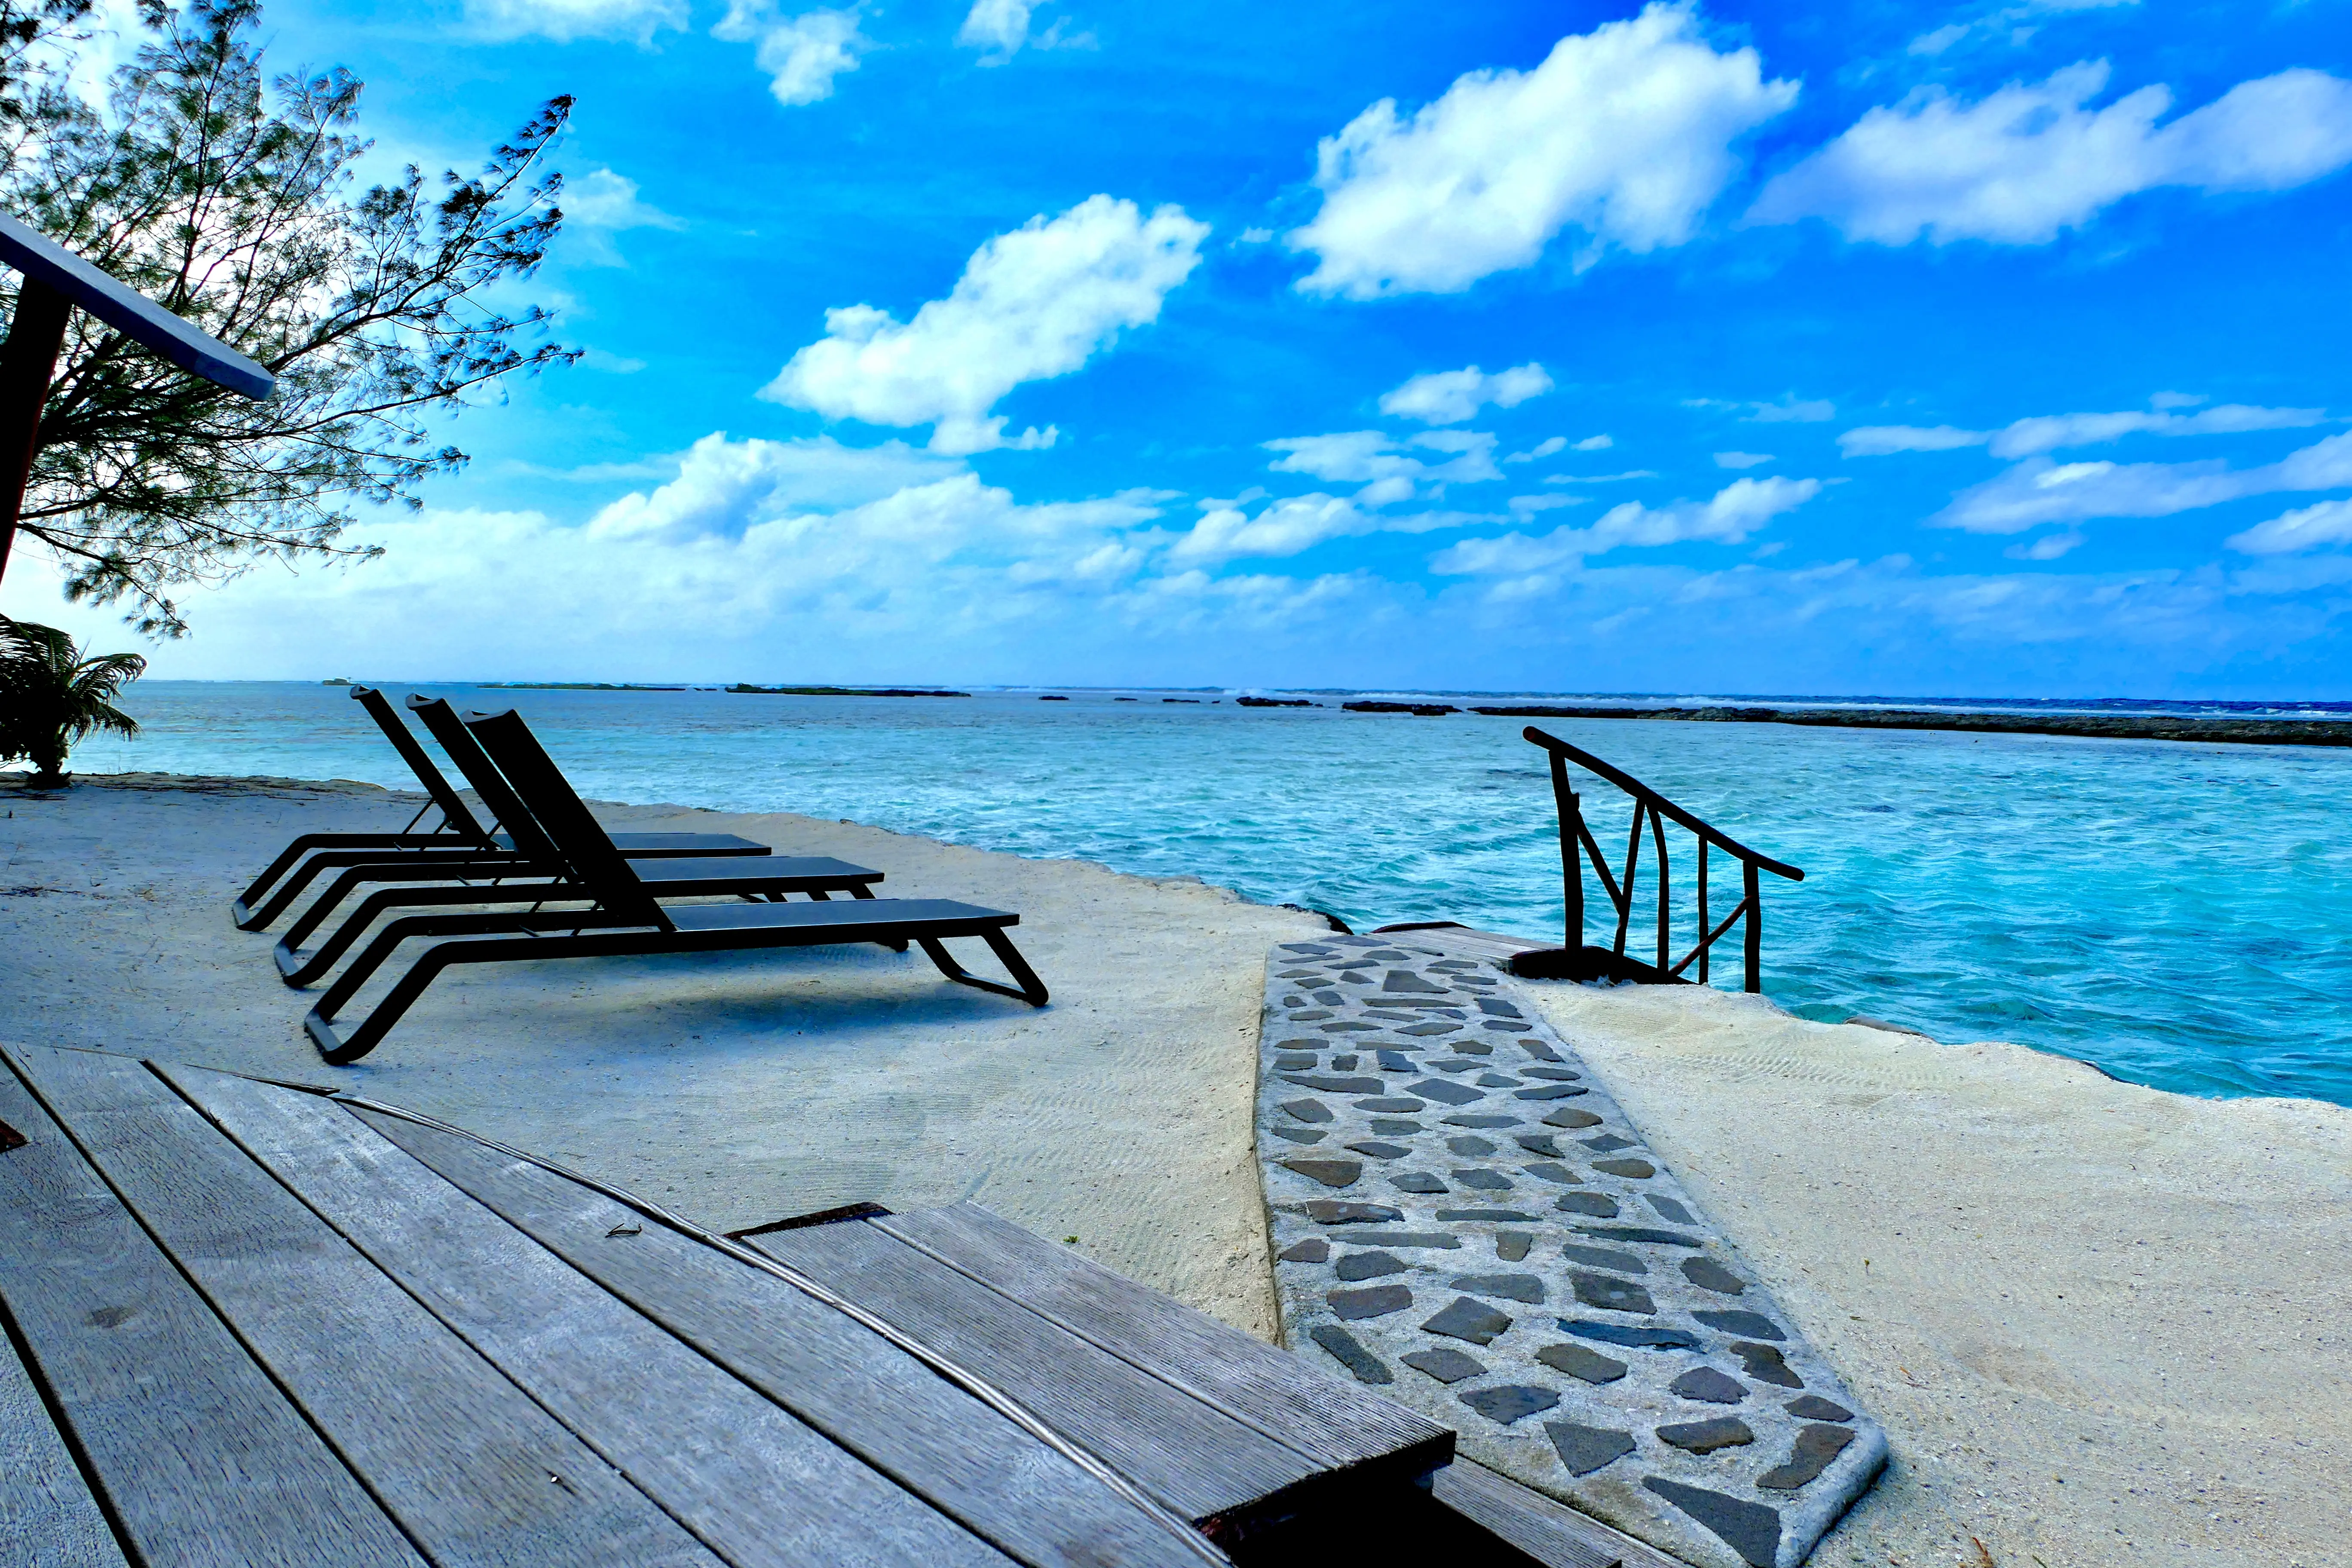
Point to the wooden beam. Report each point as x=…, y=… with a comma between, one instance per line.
x=27, y=360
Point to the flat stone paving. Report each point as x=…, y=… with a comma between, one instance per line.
x=1461, y=1218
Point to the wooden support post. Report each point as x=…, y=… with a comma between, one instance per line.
x=1705, y=937
x=1754, y=930
x=27, y=360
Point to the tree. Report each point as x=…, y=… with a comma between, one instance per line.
x=230, y=203
x=50, y=697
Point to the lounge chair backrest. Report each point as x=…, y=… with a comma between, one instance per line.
x=453, y=814
x=441, y=722
x=587, y=849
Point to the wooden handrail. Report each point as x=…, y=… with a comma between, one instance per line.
x=1574, y=960
x=1651, y=798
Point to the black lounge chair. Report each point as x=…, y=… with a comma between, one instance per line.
x=547, y=879
x=459, y=836
x=628, y=921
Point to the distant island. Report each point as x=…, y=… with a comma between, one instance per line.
x=575, y=686
x=2099, y=726
x=840, y=691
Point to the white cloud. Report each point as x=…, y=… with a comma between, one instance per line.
x=1625, y=131
x=1002, y=26
x=2028, y=160
x=2308, y=528
x=2037, y=491
x=1736, y=511
x=725, y=487
x=1361, y=457
x=1879, y=440
x=1741, y=459
x=1033, y=304
x=609, y=363
x=2049, y=432
x=1296, y=523
x=1788, y=409
x=2049, y=547
x=600, y=203
x=1592, y=444
x=603, y=199
x=1545, y=448
x=802, y=54
x=1450, y=397
x=564, y=20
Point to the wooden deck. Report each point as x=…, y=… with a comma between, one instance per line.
x=256, y=1323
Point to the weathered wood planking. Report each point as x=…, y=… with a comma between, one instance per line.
x=1203, y=1464
x=1279, y=1394
x=880, y=1404
x=471, y=1469
x=203, y=1462
x=752, y=1481
x=47, y=1518
x=1551, y=1532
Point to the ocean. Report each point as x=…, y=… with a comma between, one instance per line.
x=2174, y=913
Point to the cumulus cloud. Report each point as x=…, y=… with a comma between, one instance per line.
x=1451, y=396
x=1626, y=132
x=2308, y=528
x=1788, y=409
x=1545, y=448
x=724, y=486
x=1734, y=513
x=2031, y=158
x=802, y=54
x=1370, y=456
x=1741, y=459
x=564, y=20
x=2037, y=491
x=2049, y=432
x=1033, y=304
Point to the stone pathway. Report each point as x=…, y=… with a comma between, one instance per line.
x=1461, y=1218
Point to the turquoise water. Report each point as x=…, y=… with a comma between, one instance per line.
x=2174, y=913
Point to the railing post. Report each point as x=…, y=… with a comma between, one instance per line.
x=1705, y=947
x=1755, y=929
x=1572, y=854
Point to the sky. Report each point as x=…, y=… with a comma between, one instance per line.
x=1859, y=347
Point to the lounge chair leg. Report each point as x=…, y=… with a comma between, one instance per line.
x=319, y=1023
x=860, y=890
x=1028, y=987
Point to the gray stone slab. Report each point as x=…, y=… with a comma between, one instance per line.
x=1625, y=1309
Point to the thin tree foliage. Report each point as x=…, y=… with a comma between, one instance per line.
x=232, y=201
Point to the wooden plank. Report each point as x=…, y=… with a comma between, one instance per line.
x=469, y=1466
x=849, y=1382
x=753, y=1482
x=1276, y=1392
x=200, y=1458
x=1199, y=1461
x=1546, y=1530
x=47, y=1515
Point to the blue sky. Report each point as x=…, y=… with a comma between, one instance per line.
x=1991, y=349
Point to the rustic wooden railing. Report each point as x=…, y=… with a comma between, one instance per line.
x=1575, y=960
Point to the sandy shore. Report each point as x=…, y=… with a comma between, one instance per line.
x=2102, y=1324
x=737, y=1089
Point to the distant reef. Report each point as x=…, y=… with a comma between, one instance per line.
x=2099, y=726
x=840, y=691
x=575, y=686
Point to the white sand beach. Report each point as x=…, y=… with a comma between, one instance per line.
x=2102, y=1324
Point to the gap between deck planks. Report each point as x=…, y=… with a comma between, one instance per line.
x=227, y=1472
x=888, y=1409
x=468, y=1464
x=752, y=1481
